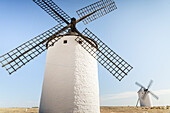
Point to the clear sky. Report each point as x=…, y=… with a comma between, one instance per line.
x=138, y=31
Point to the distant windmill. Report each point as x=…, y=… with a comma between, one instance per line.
x=143, y=95
x=71, y=77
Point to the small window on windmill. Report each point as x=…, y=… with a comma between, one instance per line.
x=65, y=42
x=80, y=42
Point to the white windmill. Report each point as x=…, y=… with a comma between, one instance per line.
x=143, y=95
x=71, y=75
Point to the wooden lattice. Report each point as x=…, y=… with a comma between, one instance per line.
x=21, y=55
x=53, y=10
x=101, y=7
x=105, y=56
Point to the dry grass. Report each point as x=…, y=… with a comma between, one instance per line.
x=135, y=110
x=103, y=110
x=18, y=110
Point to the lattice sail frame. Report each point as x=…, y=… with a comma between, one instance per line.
x=105, y=56
x=21, y=55
x=42, y=4
x=109, y=5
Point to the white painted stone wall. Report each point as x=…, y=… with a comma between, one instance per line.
x=70, y=80
x=146, y=101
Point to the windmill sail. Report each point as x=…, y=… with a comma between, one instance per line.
x=21, y=55
x=154, y=95
x=150, y=83
x=53, y=10
x=105, y=56
x=96, y=10
x=140, y=85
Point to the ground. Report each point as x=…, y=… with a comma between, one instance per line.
x=135, y=110
x=103, y=110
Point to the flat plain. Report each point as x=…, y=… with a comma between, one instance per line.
x=102, y=109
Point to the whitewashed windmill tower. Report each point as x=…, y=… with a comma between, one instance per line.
x=71, y=75
x=143, y=95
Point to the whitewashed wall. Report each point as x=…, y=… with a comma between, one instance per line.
x=70, y=80
x=146, y=101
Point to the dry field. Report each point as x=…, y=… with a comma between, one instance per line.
x=135, y=109
x=103, y=110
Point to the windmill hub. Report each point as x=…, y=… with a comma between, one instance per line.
x=146, y=90
x=73, y=24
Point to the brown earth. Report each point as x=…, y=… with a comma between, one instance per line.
x=103, y=110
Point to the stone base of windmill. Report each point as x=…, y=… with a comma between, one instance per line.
x=71, y=79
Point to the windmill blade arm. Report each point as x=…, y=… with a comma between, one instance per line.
x=140, y=85
x=89, y=14
x=154, y=95
x=96, y=10
x=21, y=55
x=105, y=56
x=53, y=10
x=150, y=83
x=137, y=102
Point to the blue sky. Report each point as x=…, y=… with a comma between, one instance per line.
x=138, y=31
